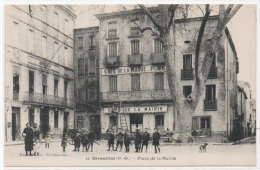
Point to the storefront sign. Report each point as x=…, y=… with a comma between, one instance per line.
x=129, y=70
x=143, y=109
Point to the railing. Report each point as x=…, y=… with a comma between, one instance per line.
x=158, y=58
x=135, y=59
x=210, y=105
x=113, y=61
x=212, y=73
x=47, y=99
x=135, y=95
x=187, y=74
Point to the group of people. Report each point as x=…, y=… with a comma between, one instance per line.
x=140, y=140
x=31, y=134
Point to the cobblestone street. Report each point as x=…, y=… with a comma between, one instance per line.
x=179, y=155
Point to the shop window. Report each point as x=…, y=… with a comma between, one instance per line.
x=56, y=119
x=136, y=122
x=113, y=121
x=159, y=122
x=202, y=125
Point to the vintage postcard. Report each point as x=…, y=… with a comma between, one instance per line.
x=130, y=85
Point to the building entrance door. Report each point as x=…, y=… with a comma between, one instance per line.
x=159, y=122
x=44, y=121
x=136, y=122
x=15, y=123
x=95, y=125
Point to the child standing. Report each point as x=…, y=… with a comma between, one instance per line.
x=47, y=140
x=64, y=142
x=36, y=147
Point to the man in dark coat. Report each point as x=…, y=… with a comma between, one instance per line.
x=84, y=141
x=91, y=139
x=111, y=138
x=127, y=140
x=138, y=140
x=120, y=140
x=146, y=138
x=156, y=139
x=28, y=140
x=77, y=141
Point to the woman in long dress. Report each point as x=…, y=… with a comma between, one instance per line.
x=28, y=140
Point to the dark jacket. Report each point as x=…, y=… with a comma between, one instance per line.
x=28, y=140
x=120, y=137
x=156, y=138
x=111, y=138
x=127, y=139
x=64, y=142
x=146, y=137
x=138, y=138
x=77, y=141
x=91, y=137
x=84, y=139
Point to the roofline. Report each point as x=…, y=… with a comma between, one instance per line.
x=86, y=28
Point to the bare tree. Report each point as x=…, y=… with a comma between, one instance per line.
x=164, y=30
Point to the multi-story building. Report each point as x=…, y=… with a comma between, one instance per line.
x=39, y=76
x=133, y=76
x=86, y=67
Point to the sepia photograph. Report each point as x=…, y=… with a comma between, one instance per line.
x=130, y=85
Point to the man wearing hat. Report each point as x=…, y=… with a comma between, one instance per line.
x=156, y=139
x=146, y=138
x=77, y=141
x=138, y=140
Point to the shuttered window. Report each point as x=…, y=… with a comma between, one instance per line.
x=80, y=42
x=92, y=95
x=44, y=84
x=112, y=30
x=210, y=92
x=56, y=119
x=195, y=123
x=81, y=67
x=113, y=49
x=135, y=82
x=92, y=66
x=187, y=62
x=112, y=83
x=159, y=81
x=135, y=47
x=158, y=46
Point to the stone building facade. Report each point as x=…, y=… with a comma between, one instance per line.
x=133, y=76
x=39, y=78
x=86, y=67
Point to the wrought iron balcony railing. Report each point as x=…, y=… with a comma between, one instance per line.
x=47, y=99
x=112, y=61
x=135, y=59
x=158, y=58
x=187, y=74
x=212, y=73
x=210, y=105
x=135, y=95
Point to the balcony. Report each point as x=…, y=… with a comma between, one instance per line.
x=135, y=59
x=135, y=95
x=158, y=58
x=112, y=61
x=210, y=105
x=187, y=74
x=212, y=73
x=39, y=98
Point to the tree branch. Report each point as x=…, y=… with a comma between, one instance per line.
x=229, y=8
x=233, y=12
x=173, y=8
x=151, y=16
x=200, y=36
x=154, y=32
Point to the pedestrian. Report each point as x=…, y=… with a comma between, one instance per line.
x=36, y=131
x=127, y=140
x=84, y=141
x=77, y=142
x=138, y=140
x=156, y=139
x=111, y=138
x=36, y=147
x=91, y=139
x=28, y=138
x=64, y=142
x=47, y=140
x=120, y=140
x=145, y=139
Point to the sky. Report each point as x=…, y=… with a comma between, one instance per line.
x=242, y=28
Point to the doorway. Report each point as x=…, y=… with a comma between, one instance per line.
x=15, y=123
x=44, y=121
x=159, y=122
x=113, y=121
x=95, y=125
x=136, y=122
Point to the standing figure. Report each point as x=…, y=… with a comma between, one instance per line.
x=77, y=142
x=36, y=147
x=36, y=131
x=111, y=138
x=138, y=140
x=28, y=140
x=84, y=141
x=146, y=138
x=156, y=139
x=47, y=140
x=120, y=140
x=64, y=142
x=91, y=139
x=127, y=140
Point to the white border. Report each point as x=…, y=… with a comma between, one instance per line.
x=6, y=2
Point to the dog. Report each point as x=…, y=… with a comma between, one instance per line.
x=203, y=148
